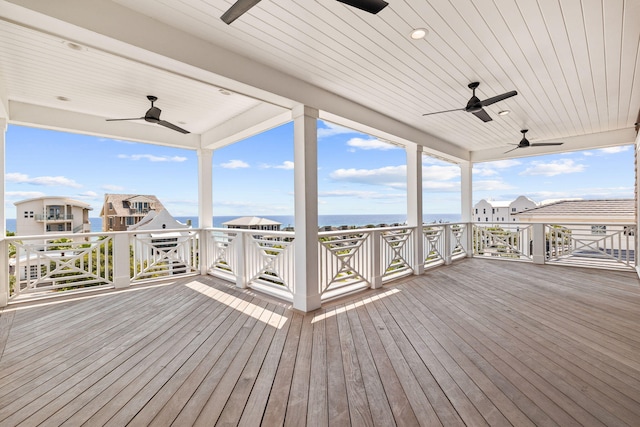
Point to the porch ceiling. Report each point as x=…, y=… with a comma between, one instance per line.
x=575, y=65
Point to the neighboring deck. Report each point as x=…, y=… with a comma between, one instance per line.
x=474, y=343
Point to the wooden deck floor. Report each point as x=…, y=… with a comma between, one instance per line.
x=475, y=343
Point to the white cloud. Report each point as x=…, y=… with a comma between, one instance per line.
x=152, y=158
x=491, y=185
x=88, y=195
x=614, y=150
x=331, y=129
x=396, y=176
x=112, y=188
x=553, y=168
x=19, y=195
x=440, y=172
x=370, y=144
x=494, y=168
x=393, y=176
x=441, y=186
x=360, y=194
x=235, y=164
x=48, y=181
x=286, y=165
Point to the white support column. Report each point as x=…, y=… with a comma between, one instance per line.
x=205, y=189
x=466, y=204
x=414, y=205
x=205, y=205
x=4, y=255
x=637, y=197
x=121, y=260
x=539, y=244
x=3, y=150
x=306, y=296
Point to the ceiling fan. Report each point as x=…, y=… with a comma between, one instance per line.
x=241, y=6
x=153, y=116
x=524, y=142
x=474, y=106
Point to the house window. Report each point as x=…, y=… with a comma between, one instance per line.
x=479, y=219
x=598, y=229
x=476, y=210
x=493, y=211
x=26, y=214
x=486, y=219
x=110, y=206
x=513, y=209
x=484, y=211
x=131, y=220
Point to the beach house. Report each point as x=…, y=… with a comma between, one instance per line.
x=120, y=211
x=51, y=216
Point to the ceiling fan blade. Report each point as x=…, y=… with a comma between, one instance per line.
x=541, y=144
x=497, y=98
x=371, y=6
x=446, y=111
x=508, y=151
x=483, y=115
x=119, y=120
x=172, y=126
x=238, y=9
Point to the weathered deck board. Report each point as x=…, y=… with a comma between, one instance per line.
x=474, y=343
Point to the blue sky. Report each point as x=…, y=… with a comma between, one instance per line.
x=357, y=174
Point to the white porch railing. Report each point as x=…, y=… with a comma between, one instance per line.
x=443, y=243
x=348, y=260
x=257, y=258
x=610, y=246
x=38, y=267
x=355, y=259
x=503, y=240
x=164, y=253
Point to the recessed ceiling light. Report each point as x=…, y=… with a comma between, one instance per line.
x=75, y=46
x=62, y=98
x=419, y=33
x=224, y=92
x=503, y=112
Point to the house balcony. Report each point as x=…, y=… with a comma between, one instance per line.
x=475, y=342
x=53, y=218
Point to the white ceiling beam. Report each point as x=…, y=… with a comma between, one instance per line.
x=575, y=143
x=257, y=120
x=68, y=121
x=137, y=36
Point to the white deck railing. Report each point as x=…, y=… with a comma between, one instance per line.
x=503, y=240
x=348, y=260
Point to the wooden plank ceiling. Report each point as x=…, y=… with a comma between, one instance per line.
x=574, y=63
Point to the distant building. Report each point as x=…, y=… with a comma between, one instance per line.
x=593, y=212
x=501, y=211
x=158, y=221
x=50, y=215
x=253, y=223
x=120, y=211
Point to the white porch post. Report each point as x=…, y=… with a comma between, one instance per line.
x=205, y=205
x=205, y=191
x=3, y=150
x=414, y=204
x=306, y=295
x=4, y=255
x=637, y=197
x=466, y=204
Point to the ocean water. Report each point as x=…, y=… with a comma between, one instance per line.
x=287, y=220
